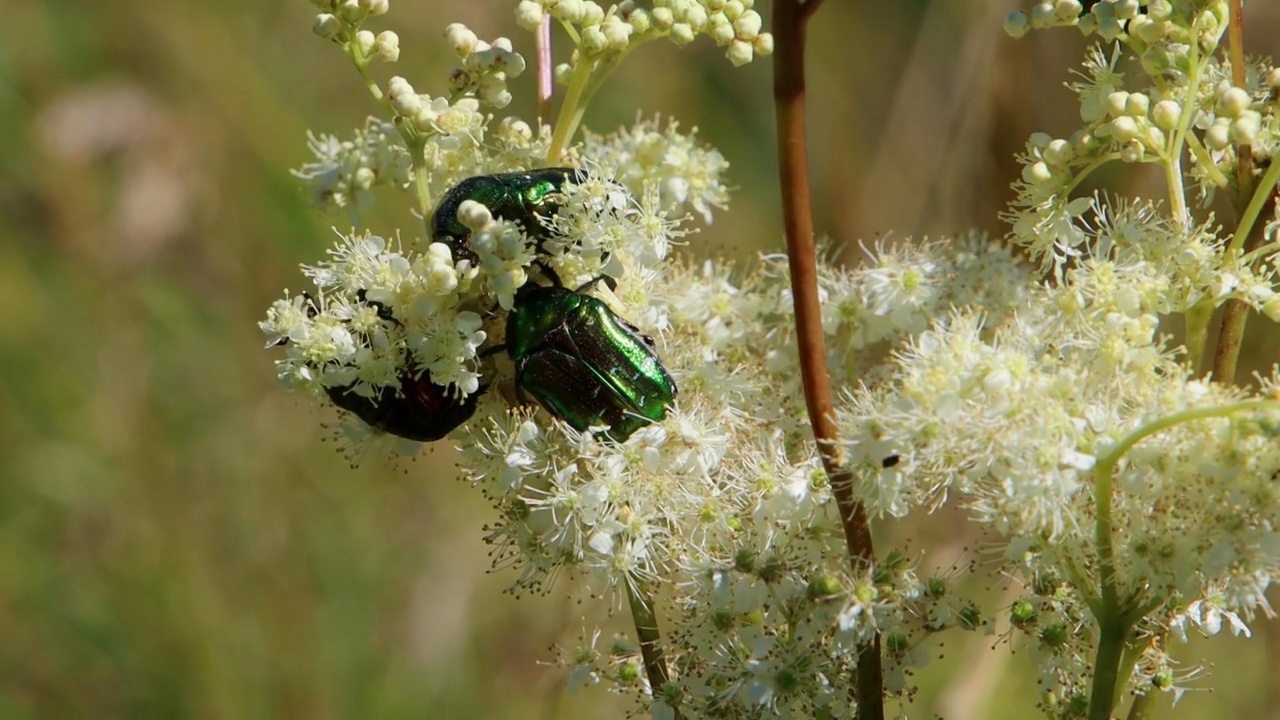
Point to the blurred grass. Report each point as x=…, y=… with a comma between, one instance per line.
x=175, y=538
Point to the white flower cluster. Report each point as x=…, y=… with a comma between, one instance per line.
x=485, y=67
x=732, y=24
x=723, y=509
x=1012, y=424
x=686, y=174
x=341, y=20
x=345, y=172
x=1185, y=106
x=1037, y=406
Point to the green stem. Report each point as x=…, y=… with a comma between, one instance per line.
x=1106, y=666
x=571, y=110
x=649, y=637
x=1261, y=194
x=422, y=184
x=1206, y=162
x=1144, y=707
x=1197, y=319
x=412, y=140
x=1113, y=621
x=1177, y=197
x=1107, y=461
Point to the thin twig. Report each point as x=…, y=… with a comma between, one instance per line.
x=789, y=18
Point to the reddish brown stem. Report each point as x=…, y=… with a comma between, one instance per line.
x=789, y=18
x=543, y=45
x=1235, y=313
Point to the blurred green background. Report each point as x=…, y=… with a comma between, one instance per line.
x=176, y=539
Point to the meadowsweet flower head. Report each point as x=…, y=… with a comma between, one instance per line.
x=655, y=446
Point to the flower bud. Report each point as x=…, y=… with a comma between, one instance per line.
x=1042, y=15
x=351, y=11
x=739, y=53
x=494, y=95
x=722, y=34
x=461, y=38
x=1016, y=24
x=1037, y=173
x=1081, y=142
x=364, y=42
x=1137, y=105
x=528, y=14
x=1233, y=102
x=593, y=40
x=1160, y=9
x=1124, y=129
x=1108, y=27
x=563, y=72
x=748, y=24
x=1217, y=137
x=640, y=20
x=1067, y=10
x=1133, y=151
x=326, y=26
x=373, y=8
x=569, y=11
x=1058, y=152
x=1244, y=129
x=474, y=215
x=616, y=32
x=1126, y=9
x=763, y=44
x=592, y=13
x=696, y=17
x=662, y=18
x=1166, y=113
x=681, y=34
x=1116, y=102
x=386, y=46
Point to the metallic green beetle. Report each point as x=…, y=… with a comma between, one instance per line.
x=584, y=364
x=516, y=196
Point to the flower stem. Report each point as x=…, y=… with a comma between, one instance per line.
x=1143, y=708
x=544, y=68
x=1247, y=237
x=1235, y=313
x=1111, y=626
x=789, y=19
x=646, y=622
x=1235, y=52
x=1113, y=620
x=571, y=110
x=1106, y=666
x=412, y=141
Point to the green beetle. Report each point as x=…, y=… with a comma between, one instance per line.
x=583, y=363
x=517, y=196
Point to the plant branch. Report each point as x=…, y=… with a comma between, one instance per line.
x=650, y=639
x=789, y=18
x=1235, y=312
